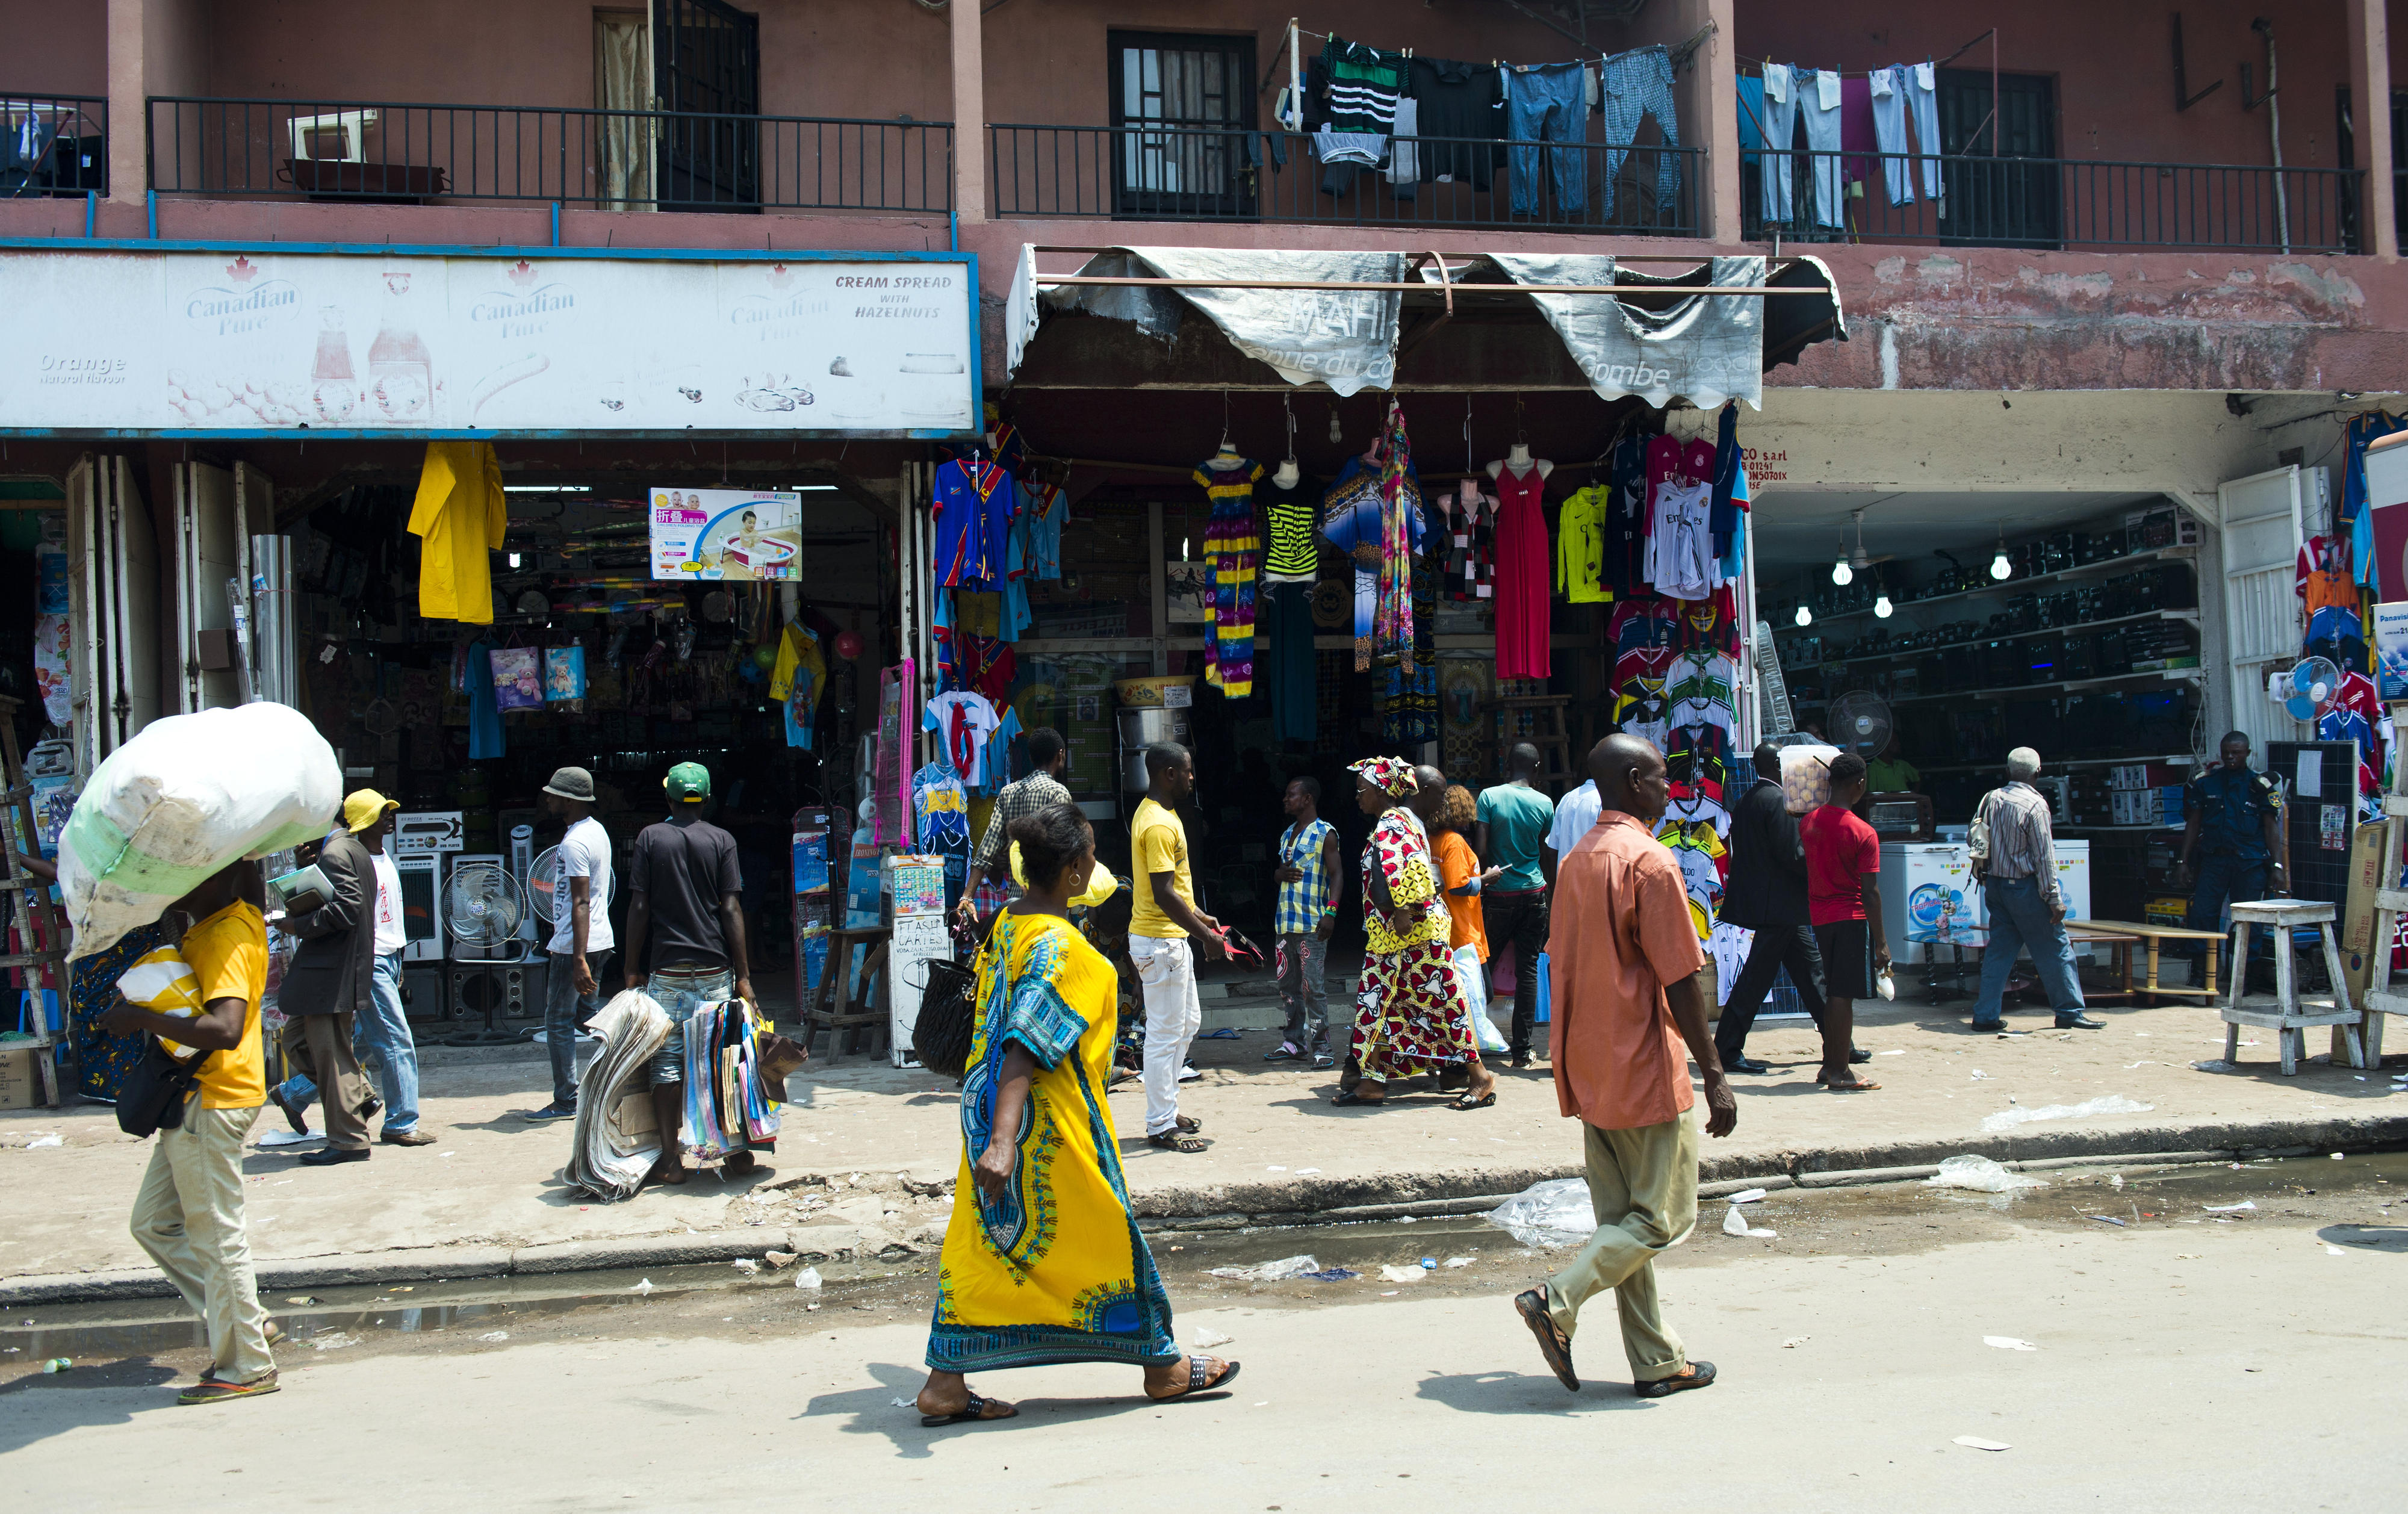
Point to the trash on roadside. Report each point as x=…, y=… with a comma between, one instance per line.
x=1429, y=1264
x=1306, y=1172
x=745, y=1265
x=1328, y=1275
x=905, y=1403
x=2105, y=1103
x=807, y=1278
x=2229, y=1208
x=2214, y=1064
x=334, y=1340
x=52, y=1139
x=1979, y=1444
x=1412, y=1273
x=2107, y=1220
x=2116, y=1179
x=2334, y=1250
x=1793, y=1342
x=1980, y=1174
x=1459, y=1261
x=1286, y=1267
x=1206, y=1338
x=2009, y=1343
x=1748, y=1196
x=58, y=1364
x=303, y=1300
x=644, y=1287
x=1556, y=1213
x=494, y=1336
x=1734, y=1222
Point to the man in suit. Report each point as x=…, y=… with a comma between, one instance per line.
x=333, y=978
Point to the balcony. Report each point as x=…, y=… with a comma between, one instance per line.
x=52, y=145
x=2049, y=202
x=388, y=152
x=1125, y=173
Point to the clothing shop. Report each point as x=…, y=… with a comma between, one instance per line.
x=484, y=518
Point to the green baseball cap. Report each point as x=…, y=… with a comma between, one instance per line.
x=688, y=783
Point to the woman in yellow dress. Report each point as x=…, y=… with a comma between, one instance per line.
x=1042, y=1260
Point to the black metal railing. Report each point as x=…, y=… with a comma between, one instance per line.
x=618, y=160
x=52, y=145
x=1980, y=201
x=1144, y=173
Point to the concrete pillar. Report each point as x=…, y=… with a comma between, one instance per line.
x=2370, y=93
x=155, y=46
x=970, y=112
x=1718, y=82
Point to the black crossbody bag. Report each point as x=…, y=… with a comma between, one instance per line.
x=154, y=1097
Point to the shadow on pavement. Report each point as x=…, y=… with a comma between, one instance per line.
x=36, y=1407
x=1524, y=1392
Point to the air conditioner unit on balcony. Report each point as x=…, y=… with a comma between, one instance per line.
x=352, y=124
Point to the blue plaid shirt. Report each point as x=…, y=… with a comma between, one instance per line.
x=1302, y=902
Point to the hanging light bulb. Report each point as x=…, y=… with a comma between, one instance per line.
x=1805, y=616
x=2000, y=568
x=1841, y=572
x=1336, y=435
x=1883, y=607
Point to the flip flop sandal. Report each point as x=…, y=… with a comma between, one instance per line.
x=1197, y=1382
x=1350, y=1097
x=217, y=1390
x=1173, y=1140
x=1531, y=1303
x=1700, y=1375
x=1860, y=1086
x=974, y=1413
x=1468, y=1102
x=1190, y=1124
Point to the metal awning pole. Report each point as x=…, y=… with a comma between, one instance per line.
x=1327, y=286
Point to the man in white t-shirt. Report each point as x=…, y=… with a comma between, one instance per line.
x=1575, y=815
x=582, y=942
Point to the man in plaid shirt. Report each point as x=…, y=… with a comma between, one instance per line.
x=1310, y=877
x=1048, y=755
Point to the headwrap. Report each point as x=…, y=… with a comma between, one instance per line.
x=1392, y=776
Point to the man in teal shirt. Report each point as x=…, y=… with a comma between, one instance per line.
x=1512, y=827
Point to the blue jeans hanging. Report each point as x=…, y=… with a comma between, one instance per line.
x=1630, y=87
x=1548, y=103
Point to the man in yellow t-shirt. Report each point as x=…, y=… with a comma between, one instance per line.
x=189, y=1212
x=1162, y=917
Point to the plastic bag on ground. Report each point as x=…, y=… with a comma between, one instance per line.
x=1554, y=1213
x=1475, y=992
x=2104, y=1103
x=1279, y=1271
x=186, y=797
x=1981, y=1175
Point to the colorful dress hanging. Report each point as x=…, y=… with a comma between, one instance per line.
x=1233, y=545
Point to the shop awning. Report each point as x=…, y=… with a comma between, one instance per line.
x=1704, y=334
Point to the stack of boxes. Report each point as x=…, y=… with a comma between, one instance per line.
x=2145, y=794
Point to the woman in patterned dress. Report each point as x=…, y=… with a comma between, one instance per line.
x=1042, y=1261
x=1409, y=1017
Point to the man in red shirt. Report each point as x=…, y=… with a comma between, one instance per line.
x=1843, y=901
x=1629, y=1019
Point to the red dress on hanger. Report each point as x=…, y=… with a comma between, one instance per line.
x=1522, y=582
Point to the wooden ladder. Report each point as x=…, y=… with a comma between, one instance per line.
x=2390, y=898
x=40, y=925
x=1550, y=732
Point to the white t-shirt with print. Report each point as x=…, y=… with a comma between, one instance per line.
x=584, y=852
x=391, y=934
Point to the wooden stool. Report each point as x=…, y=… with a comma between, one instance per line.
x=859, y=1010
x=1549, y=733
x=2287, y=1018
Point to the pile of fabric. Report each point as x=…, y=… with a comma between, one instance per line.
x=731, y=1102
x=607, y=1157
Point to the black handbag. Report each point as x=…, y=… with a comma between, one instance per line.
x=940, y=1037
x=154, y=1097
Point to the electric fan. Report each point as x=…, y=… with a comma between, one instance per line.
x=548, y=893
x=1860, y=724
x=2308, y=690
x=481, y=909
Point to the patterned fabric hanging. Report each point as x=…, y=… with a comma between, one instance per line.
x=1393, y=618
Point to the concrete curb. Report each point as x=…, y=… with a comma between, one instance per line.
x=1239, y=1206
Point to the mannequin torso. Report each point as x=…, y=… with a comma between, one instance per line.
x=1518, y=459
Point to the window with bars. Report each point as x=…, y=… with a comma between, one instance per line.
x=1182, y=116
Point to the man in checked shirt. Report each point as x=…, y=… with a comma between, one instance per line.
x=2025, y=906
x=1047, y=754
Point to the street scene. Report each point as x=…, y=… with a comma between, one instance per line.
x=1036, y=758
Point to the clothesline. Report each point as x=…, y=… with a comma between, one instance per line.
x=1753, y=69
x=1677, y=54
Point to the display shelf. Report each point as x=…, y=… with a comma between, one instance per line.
x=2068, y=685
x=2047, y=766
x=1844, y=661
x=2011, y=586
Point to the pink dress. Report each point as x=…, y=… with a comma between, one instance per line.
x=1522, y=583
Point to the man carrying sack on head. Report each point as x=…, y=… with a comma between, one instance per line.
x=333, y=979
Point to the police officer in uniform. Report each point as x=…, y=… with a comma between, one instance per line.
x=2236, y=811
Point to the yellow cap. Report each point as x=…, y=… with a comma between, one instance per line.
x=364, y=807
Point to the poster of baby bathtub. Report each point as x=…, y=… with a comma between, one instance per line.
x=383, y=341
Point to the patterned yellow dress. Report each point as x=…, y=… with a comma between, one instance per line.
x=1054, y=1271
x=1410, y=1016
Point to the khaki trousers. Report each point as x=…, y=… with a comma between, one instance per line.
x=322, y=1045
x=1642, y=1185
x=188, y=1215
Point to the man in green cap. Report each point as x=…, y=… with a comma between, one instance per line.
x=686, y=903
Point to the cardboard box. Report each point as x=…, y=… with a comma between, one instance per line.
x=18, y=1085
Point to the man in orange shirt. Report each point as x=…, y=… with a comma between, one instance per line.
x=1624, y=957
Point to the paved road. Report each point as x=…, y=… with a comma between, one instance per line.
x=2183, y=1362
